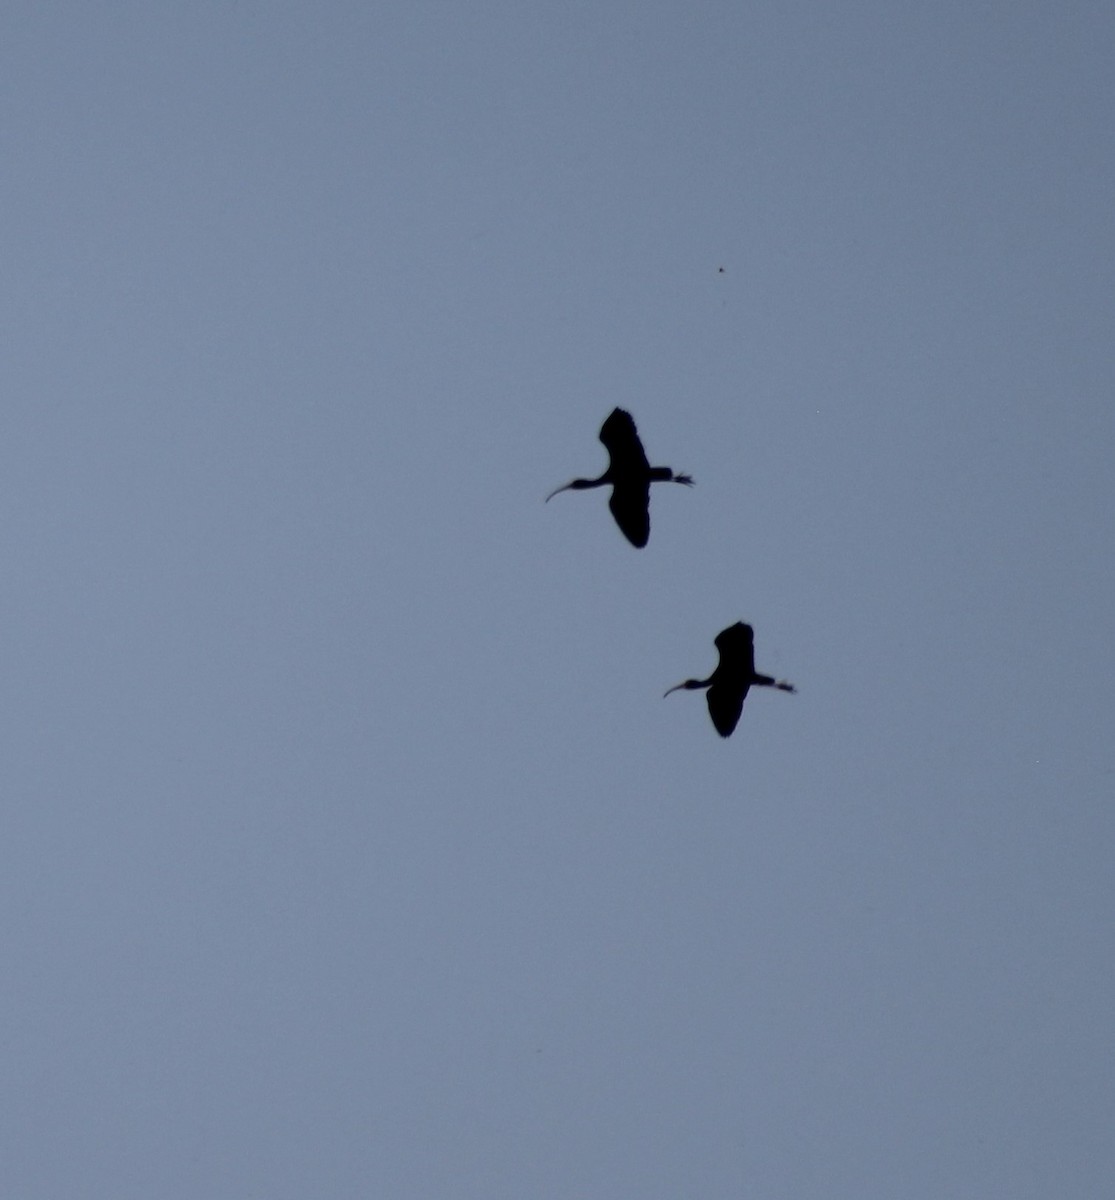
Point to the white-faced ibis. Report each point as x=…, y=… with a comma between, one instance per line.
x=734, y=675
x=630, y=475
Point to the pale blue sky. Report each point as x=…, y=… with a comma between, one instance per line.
x=347, y=846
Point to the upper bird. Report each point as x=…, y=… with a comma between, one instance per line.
x=630, y=475
x=734, y=675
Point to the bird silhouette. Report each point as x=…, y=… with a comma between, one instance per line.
x=630, y=476
x=734, y=675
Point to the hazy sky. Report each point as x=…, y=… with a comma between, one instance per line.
x=347, y=845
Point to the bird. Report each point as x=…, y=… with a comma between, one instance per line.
x=734, y=675
x=630, y=476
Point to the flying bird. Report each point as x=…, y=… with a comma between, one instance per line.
x=734, y=675
x=630, y=476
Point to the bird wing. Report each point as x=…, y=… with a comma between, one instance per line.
x=630, y=505
x=725, y=703
x=621, y=440
x=737, y=651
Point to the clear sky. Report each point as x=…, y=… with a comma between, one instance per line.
x=347, y=845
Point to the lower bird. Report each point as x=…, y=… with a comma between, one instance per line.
x=734, y=675
x=630, y=475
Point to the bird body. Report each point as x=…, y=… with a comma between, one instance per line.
x=734, y=676
x=630, y=476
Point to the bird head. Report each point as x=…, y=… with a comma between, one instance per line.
x=575, y=485
x=689, y=685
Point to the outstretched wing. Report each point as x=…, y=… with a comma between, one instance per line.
x=725, y=703
x=737, y=652
x=621, y=440
x=630, y=505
